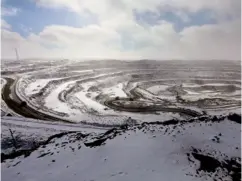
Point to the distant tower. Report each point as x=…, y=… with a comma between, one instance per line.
x=16, y=51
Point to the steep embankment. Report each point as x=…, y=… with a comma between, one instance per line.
x=205, y=148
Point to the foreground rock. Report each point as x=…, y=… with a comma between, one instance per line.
x=206, y=148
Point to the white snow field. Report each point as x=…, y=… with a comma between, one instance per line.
x=120, y=121
x=91, y=110
x=29, y=130
x=155, y=152
x=35, y=86
x=78, y=92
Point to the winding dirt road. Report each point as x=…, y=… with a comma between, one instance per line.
x=149, y=109
x=13, y=102
x=25, y=111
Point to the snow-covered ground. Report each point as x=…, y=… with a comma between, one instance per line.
x=157, y=88
x=3, y=82
x=84, y=88
x=4, y=108
x=114, y=91
x=35, y=130
x=145, y=152
x=52, y=101
x=150, y=148
x=86, y=109
x=90, y=103
x=36, y=86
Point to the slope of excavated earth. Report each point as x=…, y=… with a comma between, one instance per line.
x=108, y=92
x=205, y=148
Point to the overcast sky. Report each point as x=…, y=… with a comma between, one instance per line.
x=128, y=29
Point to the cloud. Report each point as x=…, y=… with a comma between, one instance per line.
x=25, y=28
x=106, y=6
x=10, y=11
x=118, y=34
x=5, y=25
x=158, y=42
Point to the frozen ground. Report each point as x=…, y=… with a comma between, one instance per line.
x=118, y=128
x=200, y=149
x=35, y=86
x=81, y=92
x=30, y=130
